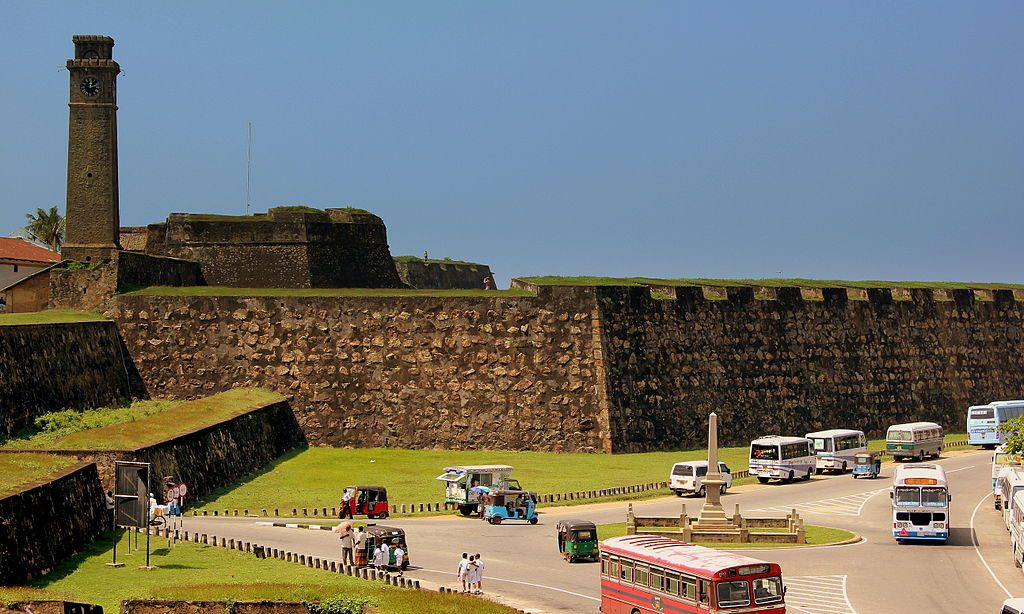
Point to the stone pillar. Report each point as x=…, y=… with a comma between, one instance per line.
x=712, y=514
x=630, y=521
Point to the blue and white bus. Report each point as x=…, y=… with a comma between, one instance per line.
x=920, y=503
x=983, y=421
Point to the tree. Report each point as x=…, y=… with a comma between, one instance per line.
x=47, y=227
x=1013, y=435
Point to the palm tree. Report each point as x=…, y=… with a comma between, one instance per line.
x=47, y=227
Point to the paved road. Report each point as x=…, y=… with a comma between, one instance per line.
x=872, y=576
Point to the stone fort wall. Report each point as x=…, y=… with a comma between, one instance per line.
x=49, y=367
x=792, y=361
x=592, y=369
x=417, y=372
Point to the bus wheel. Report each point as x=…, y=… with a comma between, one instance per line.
x=843, y=470
x=808, y=476
x=818, y=470
x=789, y=478
x=762, y=480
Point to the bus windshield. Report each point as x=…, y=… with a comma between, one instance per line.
x=733, y=594
x=768, y=590
x=908, y=496
x=900, y=436
x=934, y=496
x=822, y=444
x=982, y=413
x=764, y=452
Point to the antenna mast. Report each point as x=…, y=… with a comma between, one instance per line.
x=248, y=173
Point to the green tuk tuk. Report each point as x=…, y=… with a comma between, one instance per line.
x=577, y=539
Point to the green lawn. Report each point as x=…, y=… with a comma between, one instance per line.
x=50, y=316
x=772, y=283
x=51, y=427
x=816, y=536
x=314, y=477
x=193, y=571
x=224, y=291
x=179, y=418
x=16, y=470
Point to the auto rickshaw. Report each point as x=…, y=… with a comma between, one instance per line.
x=500, y=505
x=376, y=535
x=369, y=500
x=867, y=465
x=577, y=539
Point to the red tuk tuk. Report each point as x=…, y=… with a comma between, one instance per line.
x=369, y=500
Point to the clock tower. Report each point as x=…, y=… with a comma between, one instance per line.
x=93, y=219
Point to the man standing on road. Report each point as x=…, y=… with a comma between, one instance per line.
x=479, y=573
x=464, y=570
x=347, y=543
x=346, y=503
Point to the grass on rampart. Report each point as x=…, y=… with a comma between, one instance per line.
x=163, y=424
x=340, y=292
x=315, y=477
x=51, y=427
x=769, y=283
x=17, y=470
x=50, y=316
x=816, y=536
x=196, y=572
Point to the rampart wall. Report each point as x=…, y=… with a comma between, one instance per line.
x=795, y=361
x=48, y=367
x=585, y=368
x=453, y=372
x=48, y=521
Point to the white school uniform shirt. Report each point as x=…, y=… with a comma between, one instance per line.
x=463, y=568
x=474, y=572
x=399, y=555
x=385, y=553
x=378, y=556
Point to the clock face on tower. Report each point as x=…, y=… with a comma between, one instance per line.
x=90, y=86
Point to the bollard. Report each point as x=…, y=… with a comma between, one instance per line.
x=416, y=584
x=294, y=512
x=325, y=512
x=305, y=512
x=276, y=513
x=314, y=511
x=264, y=512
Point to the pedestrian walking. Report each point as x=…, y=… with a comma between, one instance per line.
x=399, y=558
x=378, y=558
x=480, y=573
x=385, y=556
x=463, y=570
x=473, y=575
x=346, y=504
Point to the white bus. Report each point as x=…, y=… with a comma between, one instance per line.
x=1017, y=528
x=1011, y=482
x=781, y=458
x=920, y=503
x=836, y=448
x=983, y=421
x=1000, y=460
x=914, y=440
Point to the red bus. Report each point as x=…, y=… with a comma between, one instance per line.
x=642, y=574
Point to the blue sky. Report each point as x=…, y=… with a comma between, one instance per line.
x=856, y=140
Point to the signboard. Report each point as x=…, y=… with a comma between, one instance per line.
x=131, y=494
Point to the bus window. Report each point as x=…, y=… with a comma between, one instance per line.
x=656, y=579
x=764, y=452
x=688, y=587
x=935, y=497
x=983, y=413
x=908, y=496
x=626, y=571
x=671, y=583
x=640, y=575
x=702, y=590
x=733, y=594
x=822, y=444
x=613, y=568
x=767, y=590
x=900, y=436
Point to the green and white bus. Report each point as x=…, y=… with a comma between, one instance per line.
x=914, y=440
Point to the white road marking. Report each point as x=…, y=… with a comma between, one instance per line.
x=493, y=579
x=850, y=505
x=961, y=469
x=977, y=549
x=818, y=595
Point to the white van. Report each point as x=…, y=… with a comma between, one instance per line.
x=837, y=448
x=1010, y=483
x=781, y=458
x=688, y=477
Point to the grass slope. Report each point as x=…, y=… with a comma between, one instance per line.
x=50, y=316
x=193, y=571
x=51, y=427
x=816, y=536
x=178, y=419
x=16, y=470
x=340, y=292
x=771, y=282
x=314, y=477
